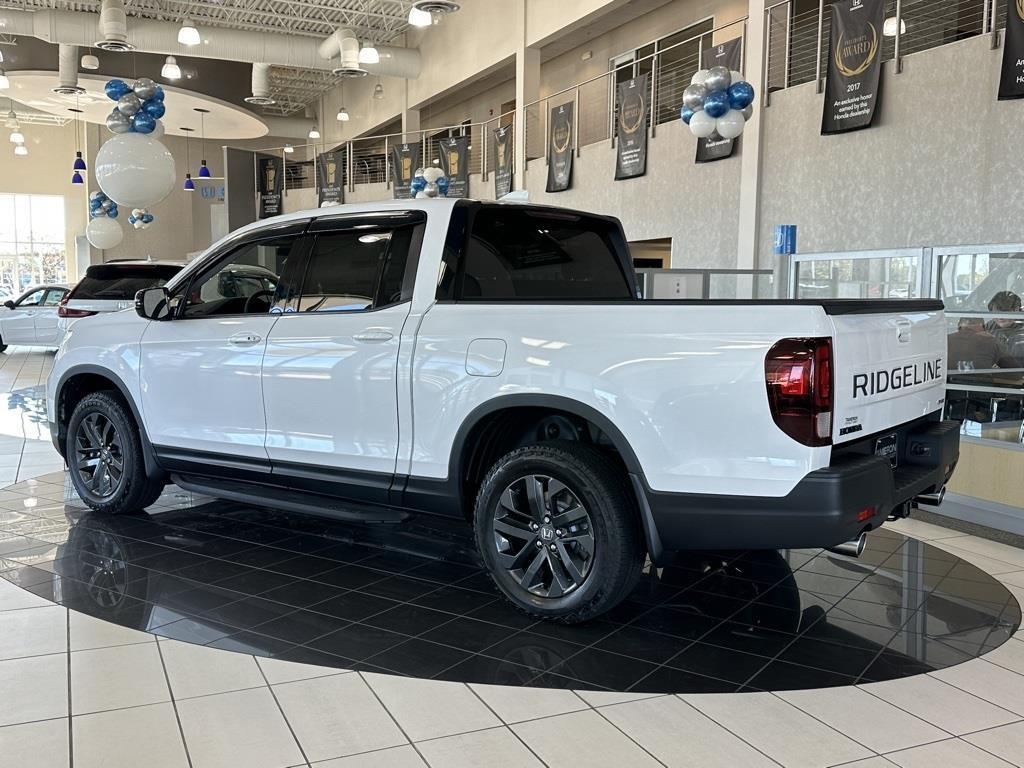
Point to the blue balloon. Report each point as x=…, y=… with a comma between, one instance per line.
x=442, y=185
x=158, y=95
x=418, y=184
x=131, y=219
x=115, y=89
x=154, y=108
x=143, y=122
x=685, y=114
x=741, y=95
x=716, y=103
x=147, y=218
x=112, y=213
x=95, y=203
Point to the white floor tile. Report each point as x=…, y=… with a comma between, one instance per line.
x=42, y=744
x=987, y=681
x=197, y=671
x=243, y=728
x=1007, y=742
x=278, y=671
x=994, y=549
x=778, y=729
x=33, y=632
x=658, y=724
x=13, y=597
x=514, y=704
x=582, y=738
x=428, y=709
x=129, y=738
x=871, y=762
x=1010, y=655
x=987, y=564
x=35, y=688
x=919, y=529
x=608, y=698
x=952, y=753
x=337, y=716
x=395, y=757
x=495, y=748
x=112, y=678
x=88, y=632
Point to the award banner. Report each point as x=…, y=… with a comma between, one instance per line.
x=560, y=148
x=269, y=182
x=729, y=55
x=405, y=160
x=1011, y=77
x=502, y=161
x=454, y=156
x=854, y=65
x=631, y=128
x=330, y=186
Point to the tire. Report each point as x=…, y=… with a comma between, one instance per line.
x=597, y=551
x=3, y=347
x=104, y=455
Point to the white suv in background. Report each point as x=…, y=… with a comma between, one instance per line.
x=111, y=287
x=32, y=317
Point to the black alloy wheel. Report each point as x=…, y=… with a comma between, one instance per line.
x=103, y=571
x=99, y=456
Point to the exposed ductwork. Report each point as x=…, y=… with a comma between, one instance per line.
x=113, y=27
x=67, y=70
x=83, y=29
x=345, y=45
x=260, y=86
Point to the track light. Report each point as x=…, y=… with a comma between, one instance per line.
x=343, y=115
x=21, y=149
x=418, y=18
x=170, y=69
x=188, y=34
x=369, y=55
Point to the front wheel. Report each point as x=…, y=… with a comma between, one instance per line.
x=557, y=527
x=104, y=455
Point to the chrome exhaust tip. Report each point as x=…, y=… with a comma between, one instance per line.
x=931, y=499
x=852, y=548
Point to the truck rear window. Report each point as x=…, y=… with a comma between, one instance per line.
x=104, y=282
x=516, y=253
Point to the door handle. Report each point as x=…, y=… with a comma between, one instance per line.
x=245, y=339
x=374, y=335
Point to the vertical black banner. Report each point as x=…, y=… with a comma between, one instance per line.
x=560, y=148
x=405, y=160
x=633, y=98
x=729, y=55
x=330, y=177
x=502, y=161
x=269, y=182
x=854, y=65
x=454, y=156
x=1011, y=78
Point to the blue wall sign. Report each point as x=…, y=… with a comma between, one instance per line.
x=785, y=239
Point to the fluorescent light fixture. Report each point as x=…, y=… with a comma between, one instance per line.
x=17, y=137
x=369, y=55
x=90, y=62
x=5, y=82
x=289, y=148
x=170, y=69
x=314, y=133
x=343, y=115
x=21, y=149
x=418, y=18
x=188, y=34
x=889, y=27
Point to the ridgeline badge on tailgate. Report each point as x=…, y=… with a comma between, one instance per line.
x=900, y=377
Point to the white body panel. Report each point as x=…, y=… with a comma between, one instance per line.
x=18, y=325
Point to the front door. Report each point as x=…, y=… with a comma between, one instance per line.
x=202, y=396
x=46, y=316
x=330, y=371
x=19, y=324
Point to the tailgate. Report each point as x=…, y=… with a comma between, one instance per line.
x=889, y=368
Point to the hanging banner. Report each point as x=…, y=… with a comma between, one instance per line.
x=405, y=160
x=729, y=55
x=329, y=183
x=269, y=182
x=1011, y=78
x=502, y=161
x=454, y=156
x=631, y=127
x=560, y=148
x=854, y=65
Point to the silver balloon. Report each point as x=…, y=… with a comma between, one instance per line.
x=699, y=77
x=107, y=204
x=693, y=96
x=129, y=104
x=748, y=111
x=118, y=122
x=144, y=88
x=718, y=79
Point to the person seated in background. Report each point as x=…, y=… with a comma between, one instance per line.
x=974, y=348
x=1010, y=332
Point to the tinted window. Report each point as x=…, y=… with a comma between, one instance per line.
x=514, y=253
x=53, y=297
x=247, y=282
x=32, y=299
x=104, y=282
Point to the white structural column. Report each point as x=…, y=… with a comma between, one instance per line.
x=750, y=171
x=527, y=91
x=410, y=119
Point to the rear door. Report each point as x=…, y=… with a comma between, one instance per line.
x=45, y=317
x=890, y=366
x=19, y=324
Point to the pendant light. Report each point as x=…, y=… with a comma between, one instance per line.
x=5, y=82
x=20, y=149
x=378, y=91
x=90, y=62
x=79, y=164
x=204, y=172
x=342, y=112
x=288, y=148
x=314, y=132
x=188, y=34
x=190, y=186
x=170, y=70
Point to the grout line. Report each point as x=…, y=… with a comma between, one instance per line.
x=71, y=721
x=508, y=727
x=280, y=709
x=726, y=728
x=395, y=719
x=174, y=705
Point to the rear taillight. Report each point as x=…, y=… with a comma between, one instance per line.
x=63, y=311
x=798, y=374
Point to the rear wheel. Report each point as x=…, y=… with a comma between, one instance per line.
x=3, y=346
x=557, y=527
x=104, y=453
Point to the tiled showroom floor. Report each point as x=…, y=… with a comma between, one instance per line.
x=79, y=691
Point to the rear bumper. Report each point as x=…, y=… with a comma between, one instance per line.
x=826, y=508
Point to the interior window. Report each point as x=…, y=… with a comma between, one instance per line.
x=53, y=297
x=32, y=299
x=247, y=283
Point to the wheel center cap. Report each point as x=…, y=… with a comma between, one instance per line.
x=547, y=533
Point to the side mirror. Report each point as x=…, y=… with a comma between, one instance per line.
x=153, y=304
x=9, y=304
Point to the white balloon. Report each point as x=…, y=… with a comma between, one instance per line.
x=104, y=232
x=699, y=77
x=137, y=212
x=134, y=170
x=702, y=124
x=735, y=76
x=730, y=125
x=138, y=225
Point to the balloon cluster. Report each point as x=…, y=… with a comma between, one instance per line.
x=429, y=182
x=717, y=103
x=101, y=205
x=139, y=106
x=140, y=218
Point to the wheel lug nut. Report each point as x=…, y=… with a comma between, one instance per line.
x=547, y=519
x=539, y=544
x=553, y=548
x=534, y=526
x=560, y=532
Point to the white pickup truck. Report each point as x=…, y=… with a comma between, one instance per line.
x=492, y=362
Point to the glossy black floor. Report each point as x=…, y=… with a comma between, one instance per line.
x=411, y=600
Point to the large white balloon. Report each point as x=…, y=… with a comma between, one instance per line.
x=104, y=232
x=134, y=170
x=702, y=124
x=730, y=125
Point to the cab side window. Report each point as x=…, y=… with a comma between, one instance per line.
x=248, y=282
x=53, y=297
